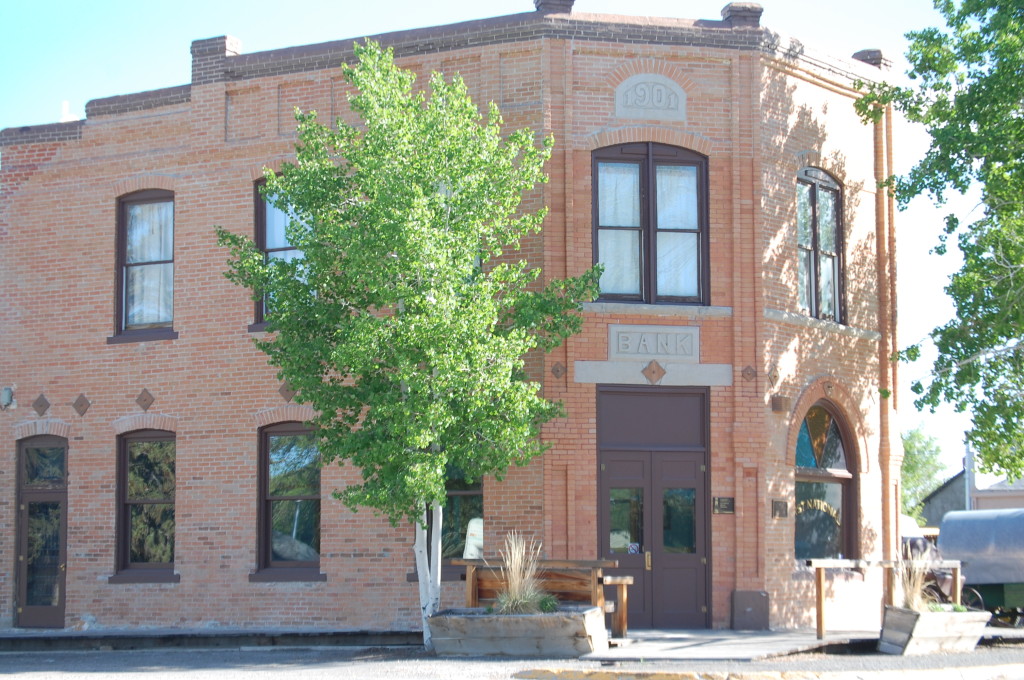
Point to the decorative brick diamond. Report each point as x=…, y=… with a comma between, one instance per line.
x=286, y=392
x=654, y=372
x=773, y=375
x=81, y=405
x=41, y=404
x=145, y=399
x=558, y=370
x=749, y=373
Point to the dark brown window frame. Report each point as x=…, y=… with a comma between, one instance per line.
x=819, y=180
x=649, y=155
x=260, y=205
x=267, y=571
x=127, y=571
x=123, y=334
x=848, y=479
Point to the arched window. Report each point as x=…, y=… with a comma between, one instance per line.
x=651, y=223
x=825, y=514
x=820, y=243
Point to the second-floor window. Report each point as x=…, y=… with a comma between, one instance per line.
x=272, y=239
x=650, y=210
x=145, y=261
x=819, y=240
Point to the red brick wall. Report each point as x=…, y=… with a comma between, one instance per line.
x=757, y=117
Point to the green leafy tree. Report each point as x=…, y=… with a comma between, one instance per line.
x=967, y=94
x=406, y=322
x=921, y=472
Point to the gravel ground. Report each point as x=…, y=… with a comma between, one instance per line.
x=1003, y=660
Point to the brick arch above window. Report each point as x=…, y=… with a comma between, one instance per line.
x=838, y=398
x=46, y=426
x=299, y=413
x=145, y=182
x=635, y=67
x=145, y=421
x=645, y=133
x=812, y=158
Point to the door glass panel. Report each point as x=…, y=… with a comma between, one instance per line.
x=43, y=558
x=626, y=534
x=44, y=466
x=679, y=528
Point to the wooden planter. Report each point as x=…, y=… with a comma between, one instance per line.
x=568, y=632
x=905, y=631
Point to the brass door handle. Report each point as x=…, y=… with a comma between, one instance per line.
x=647, y=560
x=62, y=567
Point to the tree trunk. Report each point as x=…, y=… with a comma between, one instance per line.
x=428, y=569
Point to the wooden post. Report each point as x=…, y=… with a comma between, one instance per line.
x=956, y=584
x=890, y=585
x=597, y=587
x=621, y=583
x=471, y=594
x=819, y=594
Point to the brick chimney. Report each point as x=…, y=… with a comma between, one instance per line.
x=208, y=58
x=742, y=14
x=553, y=6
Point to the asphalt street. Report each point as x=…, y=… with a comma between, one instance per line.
x=1000, y=661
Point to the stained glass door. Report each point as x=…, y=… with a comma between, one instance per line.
x=42, y=528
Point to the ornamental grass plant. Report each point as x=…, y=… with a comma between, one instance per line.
x=522, y=593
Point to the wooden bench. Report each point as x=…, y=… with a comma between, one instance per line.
x=572, y=581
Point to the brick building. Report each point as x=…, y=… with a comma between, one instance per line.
x=724, y=418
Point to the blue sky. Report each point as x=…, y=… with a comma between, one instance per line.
x=68, y=50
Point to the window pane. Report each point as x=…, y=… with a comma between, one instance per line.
x=150, y=234
x=803, y=215
x=834, y=455
x=627, y=519
x=151, y=533
x=43, y=569
x=459, y=511
x=294, y=466
x=618, y=193
x=276, y=220
x=150, y=470
x=295, y=531
x=677, y=264
x=44, y=467
x=826, y=274
x=804, y=448
x=679, y=528
x=149, y=294
x=826, y=220
x=619, y=252
x=819, y=520
x=677, y=197
x=806, y=289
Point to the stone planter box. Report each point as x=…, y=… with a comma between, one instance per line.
x=905, y=631
x=568, y=632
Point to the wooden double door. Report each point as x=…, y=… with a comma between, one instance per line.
x=653, y=459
